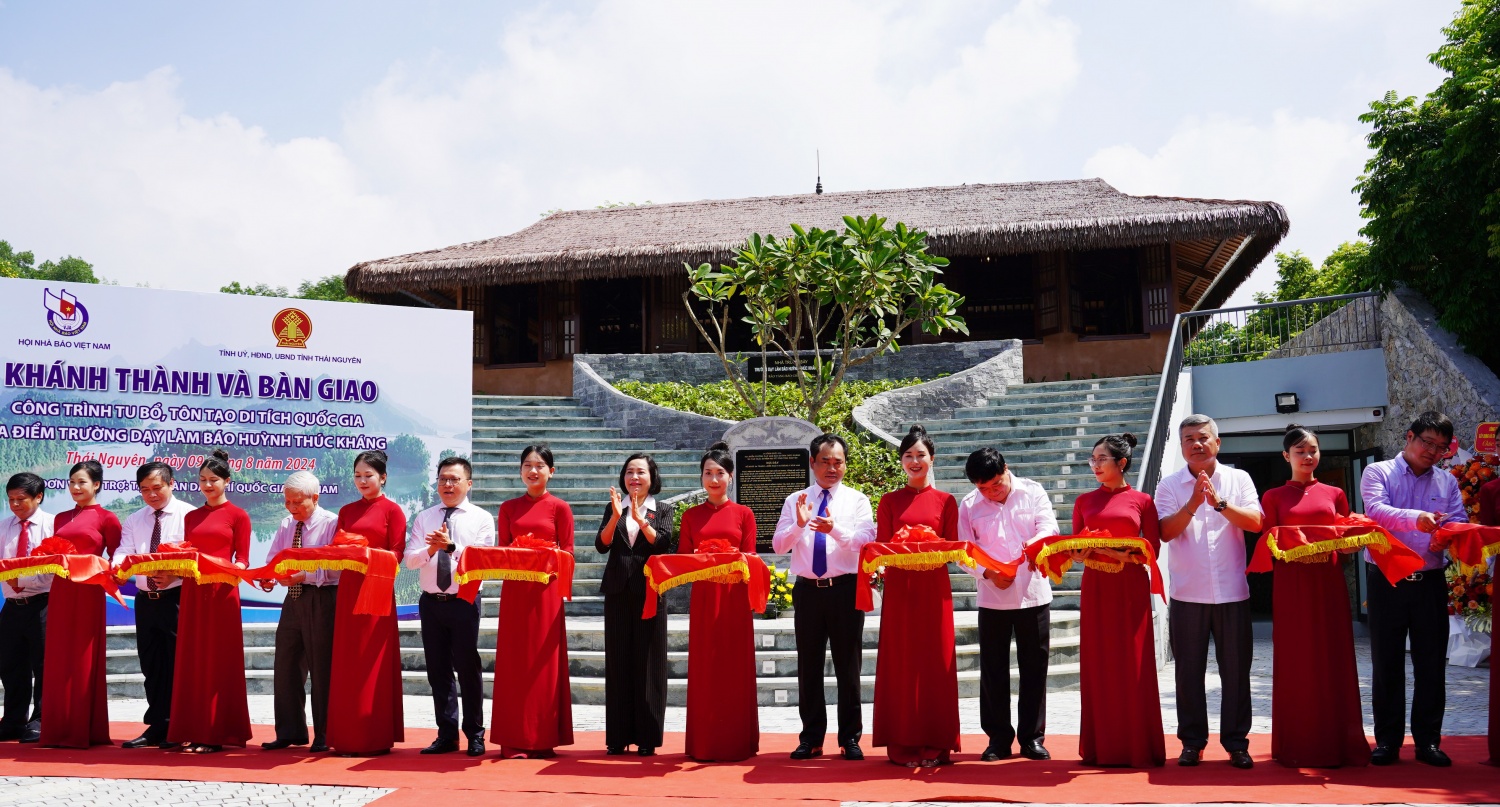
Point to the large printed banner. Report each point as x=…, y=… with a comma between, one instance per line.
x=127, y=376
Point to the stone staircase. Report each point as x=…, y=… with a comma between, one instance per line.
x=1045, y=431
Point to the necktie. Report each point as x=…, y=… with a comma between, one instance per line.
x=155, y=544
x=445, y=560
x=295, y=590
x=820, y=541
x=23, y=548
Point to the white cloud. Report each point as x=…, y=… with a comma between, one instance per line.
x=1308, y=164
x=626, y=101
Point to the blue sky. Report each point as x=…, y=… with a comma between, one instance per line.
x=188, y=144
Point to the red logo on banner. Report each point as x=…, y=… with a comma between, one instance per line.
x=292, y=327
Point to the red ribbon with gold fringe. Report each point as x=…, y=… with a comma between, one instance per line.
x=666, y=572
x=348, y=552
x=535, y=564
x=917, y=549
x=90, y=569
x=1472, y=545
x=1053, y=555
x=1319, y=543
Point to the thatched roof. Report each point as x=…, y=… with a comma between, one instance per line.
x=1004, y=219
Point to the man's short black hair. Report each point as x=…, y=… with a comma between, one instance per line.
x=984, y=465
x=145, y=471
x=1433, y=422
x=459, y=461
x=823, y=440
x=28, y=483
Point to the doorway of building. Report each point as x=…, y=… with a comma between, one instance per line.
x=612, y=316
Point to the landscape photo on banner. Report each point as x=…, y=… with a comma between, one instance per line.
x=127, y=376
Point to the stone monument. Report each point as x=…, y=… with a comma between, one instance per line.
x=770, y=464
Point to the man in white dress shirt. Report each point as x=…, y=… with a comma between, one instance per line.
x=823, y=527
x=1205, y=510
x=1002, y=514
x=157, y=596
x=23, y=620
x=304, y=633
x=450, y=626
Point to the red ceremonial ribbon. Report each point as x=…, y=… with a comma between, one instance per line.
x=1316, y=543
x=1472, y=545
x=45, y=559
x=534, y=564
x=918, y=548
x=666, y=572
x=348, y=552
x=1052, y=555
x=183, y=560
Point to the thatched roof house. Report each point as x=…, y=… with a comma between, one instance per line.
x=1034, y=259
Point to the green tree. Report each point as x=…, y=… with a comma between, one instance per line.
x=847, y=295
x=329, y=288
x=1431, y=192
x=23, y=265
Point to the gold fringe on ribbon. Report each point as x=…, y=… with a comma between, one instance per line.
x=919, y=561
x=1320, y=551
x=1111, y=566
x=182, y=567
x=208, y=579
x=342, y=565
x=505, y=574
x=50, y=568
x=1488, y=551
x=1107, y=542
x=736, y=572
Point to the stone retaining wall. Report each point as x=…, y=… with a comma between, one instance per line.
x=912, y=361
x=1427, y=369
x=883, y=414
x=670, y=428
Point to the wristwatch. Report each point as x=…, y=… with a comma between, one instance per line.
x=1219, y=508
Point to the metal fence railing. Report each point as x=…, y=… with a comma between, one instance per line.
x=1275, y=330
x=1249, y=333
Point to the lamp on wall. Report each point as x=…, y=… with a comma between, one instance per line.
x=1286, y=402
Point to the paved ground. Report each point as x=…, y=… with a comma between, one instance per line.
x=57, y=791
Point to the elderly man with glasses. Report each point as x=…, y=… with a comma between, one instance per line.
x=1411, y=498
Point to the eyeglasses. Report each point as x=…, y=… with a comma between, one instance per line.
x=1095, y=462
x=1431, y=446
x=450, y=481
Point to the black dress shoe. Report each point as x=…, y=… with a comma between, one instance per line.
x=807, y=751
x=319, y=746
x=1241, y=760
x=1190, y=757
x=476, y=747
x=1427, y=754
x=32, y=736
x=167, y=745
x=852, y=752
x=278, y=744
x=993, y=754
x=646, y=751
x=142, y=741
x=614, y=750
x=1035, y=750
x=1385, y=755
x=441, y=747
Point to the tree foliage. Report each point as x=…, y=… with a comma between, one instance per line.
x=824, y=300
x=1431, y=192
x=330, y=288
x=23, y=265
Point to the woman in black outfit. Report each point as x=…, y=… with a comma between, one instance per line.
x=634, y=528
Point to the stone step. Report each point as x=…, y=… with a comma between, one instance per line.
x=577, y=465
x=1025, y=395
x=1087, y=384
x=1095, y=428
x=526, y=433
x=523, y=400
x=1014, y=445
x=1061, y=406
x=564, y=480
x=620, y=445
x=507, y=454
x=509, y=410
x=551, y=421
x=1007, y=420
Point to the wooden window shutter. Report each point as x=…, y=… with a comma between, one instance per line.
x=472, y=299
x=1157, y=303
x=559, y=303
x=1048, y=267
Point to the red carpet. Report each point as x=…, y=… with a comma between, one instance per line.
x=585, y=776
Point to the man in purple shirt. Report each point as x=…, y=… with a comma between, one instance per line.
x=1411, y=499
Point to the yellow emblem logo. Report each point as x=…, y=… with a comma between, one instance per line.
x=292, y=327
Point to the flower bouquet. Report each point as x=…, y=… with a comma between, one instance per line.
x=1470, y=597
x=781, y=594
x=1472, y=474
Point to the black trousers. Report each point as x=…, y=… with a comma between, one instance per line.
x=1415, y=610
x=635, y=671
x=1228, y=624
x=824, y=618
x=304, y=647
x=1032, y=629
x=23, y=629
x=450, y=642
x=156, y=646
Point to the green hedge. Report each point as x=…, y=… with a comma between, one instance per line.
x=873, y=466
